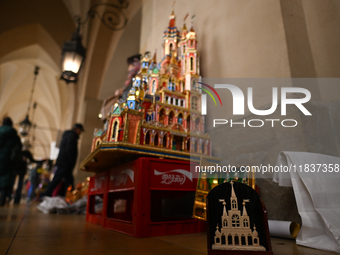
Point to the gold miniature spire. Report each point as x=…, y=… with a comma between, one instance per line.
x=233, y=195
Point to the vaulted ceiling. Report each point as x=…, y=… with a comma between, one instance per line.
x=31, y=34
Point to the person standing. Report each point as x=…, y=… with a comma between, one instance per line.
x=10, y=149
x=66, y=160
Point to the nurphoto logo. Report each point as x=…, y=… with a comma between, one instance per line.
x=239, y=102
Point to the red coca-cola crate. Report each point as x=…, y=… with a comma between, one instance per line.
x=150, y=197
x=96, y=194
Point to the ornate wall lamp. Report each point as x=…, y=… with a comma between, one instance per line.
x=73, y=52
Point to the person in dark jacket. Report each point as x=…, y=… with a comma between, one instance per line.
x=20, y=169
x=68, y=152
x=10, y=145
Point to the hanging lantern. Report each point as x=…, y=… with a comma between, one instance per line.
x=25, y=126
x=72, y=57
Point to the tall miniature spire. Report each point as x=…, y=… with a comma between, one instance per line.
x=233, y=198
x=172, y=17
x=192, y=27
x=224, y=209
x=154, y=59
x=233, y=195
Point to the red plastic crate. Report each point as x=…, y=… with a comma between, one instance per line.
x=147, y=197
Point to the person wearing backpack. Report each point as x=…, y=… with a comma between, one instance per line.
x=10, y=146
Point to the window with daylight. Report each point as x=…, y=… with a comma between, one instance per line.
x=235, y=221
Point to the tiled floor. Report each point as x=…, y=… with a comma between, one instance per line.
x=25, y=230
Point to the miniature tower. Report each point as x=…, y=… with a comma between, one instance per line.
x=153, y=75
x=171, y=36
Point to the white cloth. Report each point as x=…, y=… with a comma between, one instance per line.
x=317, y=196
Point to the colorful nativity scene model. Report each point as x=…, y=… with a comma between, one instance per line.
x=163, y=108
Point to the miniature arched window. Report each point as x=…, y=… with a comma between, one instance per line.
x=171, y=118
x=236, y=240
x=165, y=141
x=188, y=144
x=235, y=221
x=183, y=49
x=155, y=141
x=255, y=240
x=233, y=204
x=153, y=86
x=196, y=145
x=147, y=138
x=243, y=240
x=245, y=223
x=225, y=223
x=217, y=240
x=137, y=83
x=170, y=48
x=191, y=64
x=250, y=240
x=194, y=84
x=230, y=239
x=161, y=116
x=98, y=142
x=223, y=241
x=188, y=122
x=180, y=119
x=203, y=148
x=115, y=130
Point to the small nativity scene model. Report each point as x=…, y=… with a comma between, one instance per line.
x=232, y=229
